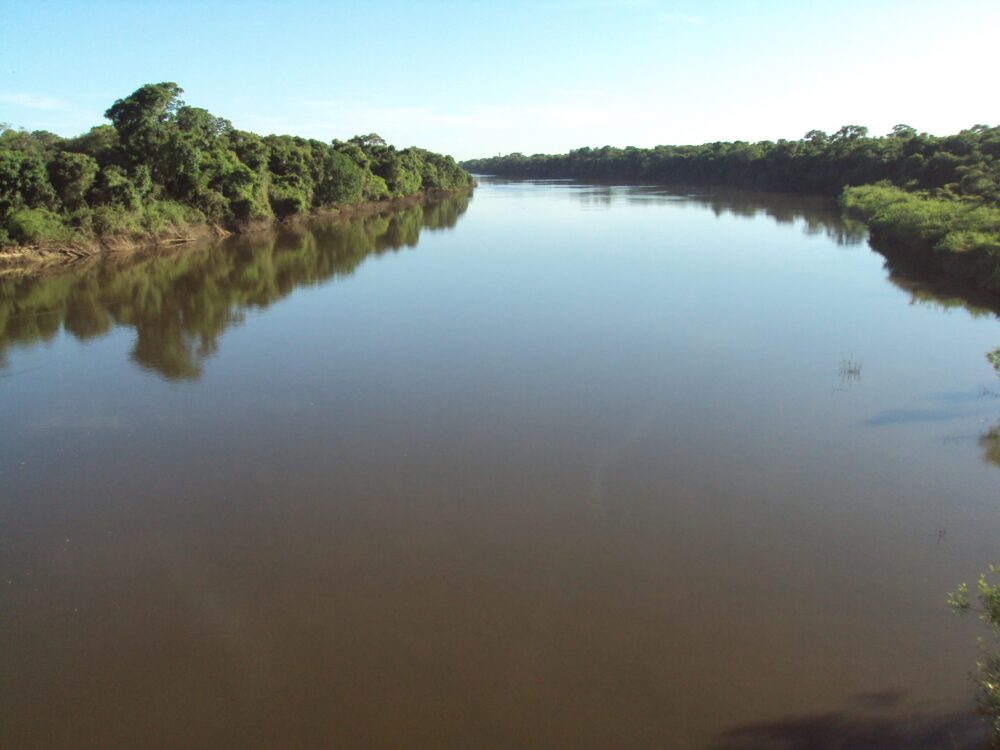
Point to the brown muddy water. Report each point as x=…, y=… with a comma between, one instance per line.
x=562, y=466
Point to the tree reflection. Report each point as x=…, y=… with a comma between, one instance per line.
x=927, y=286
x=990, y=443
x=817, y=215
x=179, y=305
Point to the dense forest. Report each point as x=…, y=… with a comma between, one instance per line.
x=162, y=165
x=967, y=163
x=937, y=195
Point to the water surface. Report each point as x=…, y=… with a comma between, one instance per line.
x=565, y=466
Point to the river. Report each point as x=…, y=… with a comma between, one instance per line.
x=560, y=466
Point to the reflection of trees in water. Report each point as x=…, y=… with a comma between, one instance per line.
x=817, y=215
x=924, y=281
x=179, y=306
x=926, y=285
x=990, y=443
x=990, y=440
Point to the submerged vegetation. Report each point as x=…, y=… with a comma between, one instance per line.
x=161, y=166
x=936, y=196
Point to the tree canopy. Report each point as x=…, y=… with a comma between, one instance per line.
x=966, y=164
x=163, y=161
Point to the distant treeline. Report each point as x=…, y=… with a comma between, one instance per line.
x=936, y=195
x=969, y=163
x=161, y=165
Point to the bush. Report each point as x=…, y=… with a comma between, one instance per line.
x=72, y=175
x=343, y=182
x=288, y=195
x=962, y=234
x=37, y=226
x=159, y=216
x=987, y=606
x=115, y=221
x=114, y=187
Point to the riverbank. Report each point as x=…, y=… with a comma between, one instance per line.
x=34, y=257
x=959, y=237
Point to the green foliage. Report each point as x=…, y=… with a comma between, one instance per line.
x=128, y=178
x=142, y=118
x=114, y=221
x=289, y=194
x=100, y=142
x=375, y=188
x=964, y=234
x=161, y=216
x=966, y=162
x=343, y=181
x=994, y=359
x=37, y=226
x=939, y=194
x=987, y=606
x=71, y=175
x=114, y=187
x=24, y=180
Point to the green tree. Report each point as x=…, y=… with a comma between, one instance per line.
x=903, y=131
x=100, y=142
x=24, y=181
x=342, y=182
x=114, y=187
x=161, y=162
x=141, y=120
x=71, y=175
x=987, y=606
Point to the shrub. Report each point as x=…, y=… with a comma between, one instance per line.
x=987, y=606
x=111, y=221
x=37, y=226
x=159, y=216
x=946, y=225
x=288, y=195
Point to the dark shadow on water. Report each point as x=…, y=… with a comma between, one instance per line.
x=927, y=285
x=951, y=406
x=179, y=304
x=909, y=416
x=880, y=699
x=859, y=729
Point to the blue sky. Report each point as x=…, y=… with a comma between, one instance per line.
x=480, y=78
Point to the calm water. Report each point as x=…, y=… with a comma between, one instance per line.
x=585, y=467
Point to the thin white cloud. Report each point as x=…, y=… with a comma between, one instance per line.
x=33, y=101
